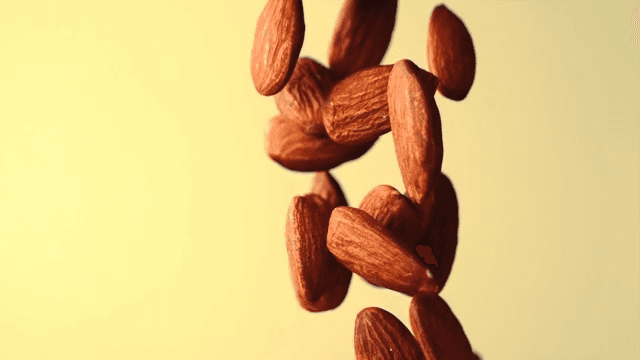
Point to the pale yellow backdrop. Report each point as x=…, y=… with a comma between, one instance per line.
x=141, y=219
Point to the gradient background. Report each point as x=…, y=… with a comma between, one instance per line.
x=140, y=217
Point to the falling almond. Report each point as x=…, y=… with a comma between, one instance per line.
x=379, y=335
x=325, y=185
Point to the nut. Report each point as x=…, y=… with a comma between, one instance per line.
x=380, y=336
x=356, y=110
x=366, y=248
x=276, y=45
x=328, y=188
x=450, y=53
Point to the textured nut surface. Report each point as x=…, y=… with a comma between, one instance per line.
x=357, y=110
x=361, y=35
x=450, y=53
x=395, y=212
x=437, y=329
x=379, y=335
x=304, y=95
x=442, y=229
x=416, y=128
x=291, y=147
x=312, y=267
x=276, y=45
x=366, y=248
x=328, y=188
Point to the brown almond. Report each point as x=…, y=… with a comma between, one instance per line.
x=303, y=97
x=276, y=45
x=328, y=188
x=379, y=335
x=313, y=268
x=450, y=53
x=437, y=329
x=361, y=35
x=291, y=147
x=356, y=110
x=395, y=212
x=416, y=128
x=366, y=248
x=442, y=230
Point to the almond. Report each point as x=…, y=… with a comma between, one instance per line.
x=313, y=268
x=416, y=128
x=450, y=53
x=366, y=248
x=362, y=35
x=395, y=212
x=304, y=95
x=276, y=45
x=442, y=230
x=437, y=329
x=356, y=110
x=379, y=335
x=291, y=147
x=328, y=188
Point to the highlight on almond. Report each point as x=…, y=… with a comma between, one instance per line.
x=277, y=43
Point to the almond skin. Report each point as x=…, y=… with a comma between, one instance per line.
x=450, y=53
x=313, y=268
x=416, y=128
x=442, y=230
x=361, y=35
x=303, y=97
x=437, y=329
x=379, y=335
x=395, y=212
x=328, y=188
x=357, y=110
x=291, y=147
x=366, y=248
x=276, y=45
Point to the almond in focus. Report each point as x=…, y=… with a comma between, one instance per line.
x=276, y=45
x=357, y=110
x=379, y=335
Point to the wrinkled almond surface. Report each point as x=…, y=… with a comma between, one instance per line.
x=361, y=35
x=395, y=212
x=379, y=335
x=276, y=45
x=437, y=329
x=442, y=229
x=304, y=95
x=416, y=128
x=291, y=147
x=450, y=53
x=357, y=110
x=313, y=268
x=366, y=248
x=328, y=188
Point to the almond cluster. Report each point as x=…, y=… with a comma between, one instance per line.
x=333, y=115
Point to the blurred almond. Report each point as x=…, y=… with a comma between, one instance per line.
x=442, y=229
x=362, y=35
x=379, y=335
x=304, y=95
x=276, y=45
x=291, y=147
x=357, y=110
x=366, y=248
x=450, y=53
x=313, y=268
x=416, y=128
x=328, y=188
x=437, y=329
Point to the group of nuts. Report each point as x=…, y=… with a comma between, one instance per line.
x=329, y=116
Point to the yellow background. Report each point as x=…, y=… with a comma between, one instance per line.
x=141, y=219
